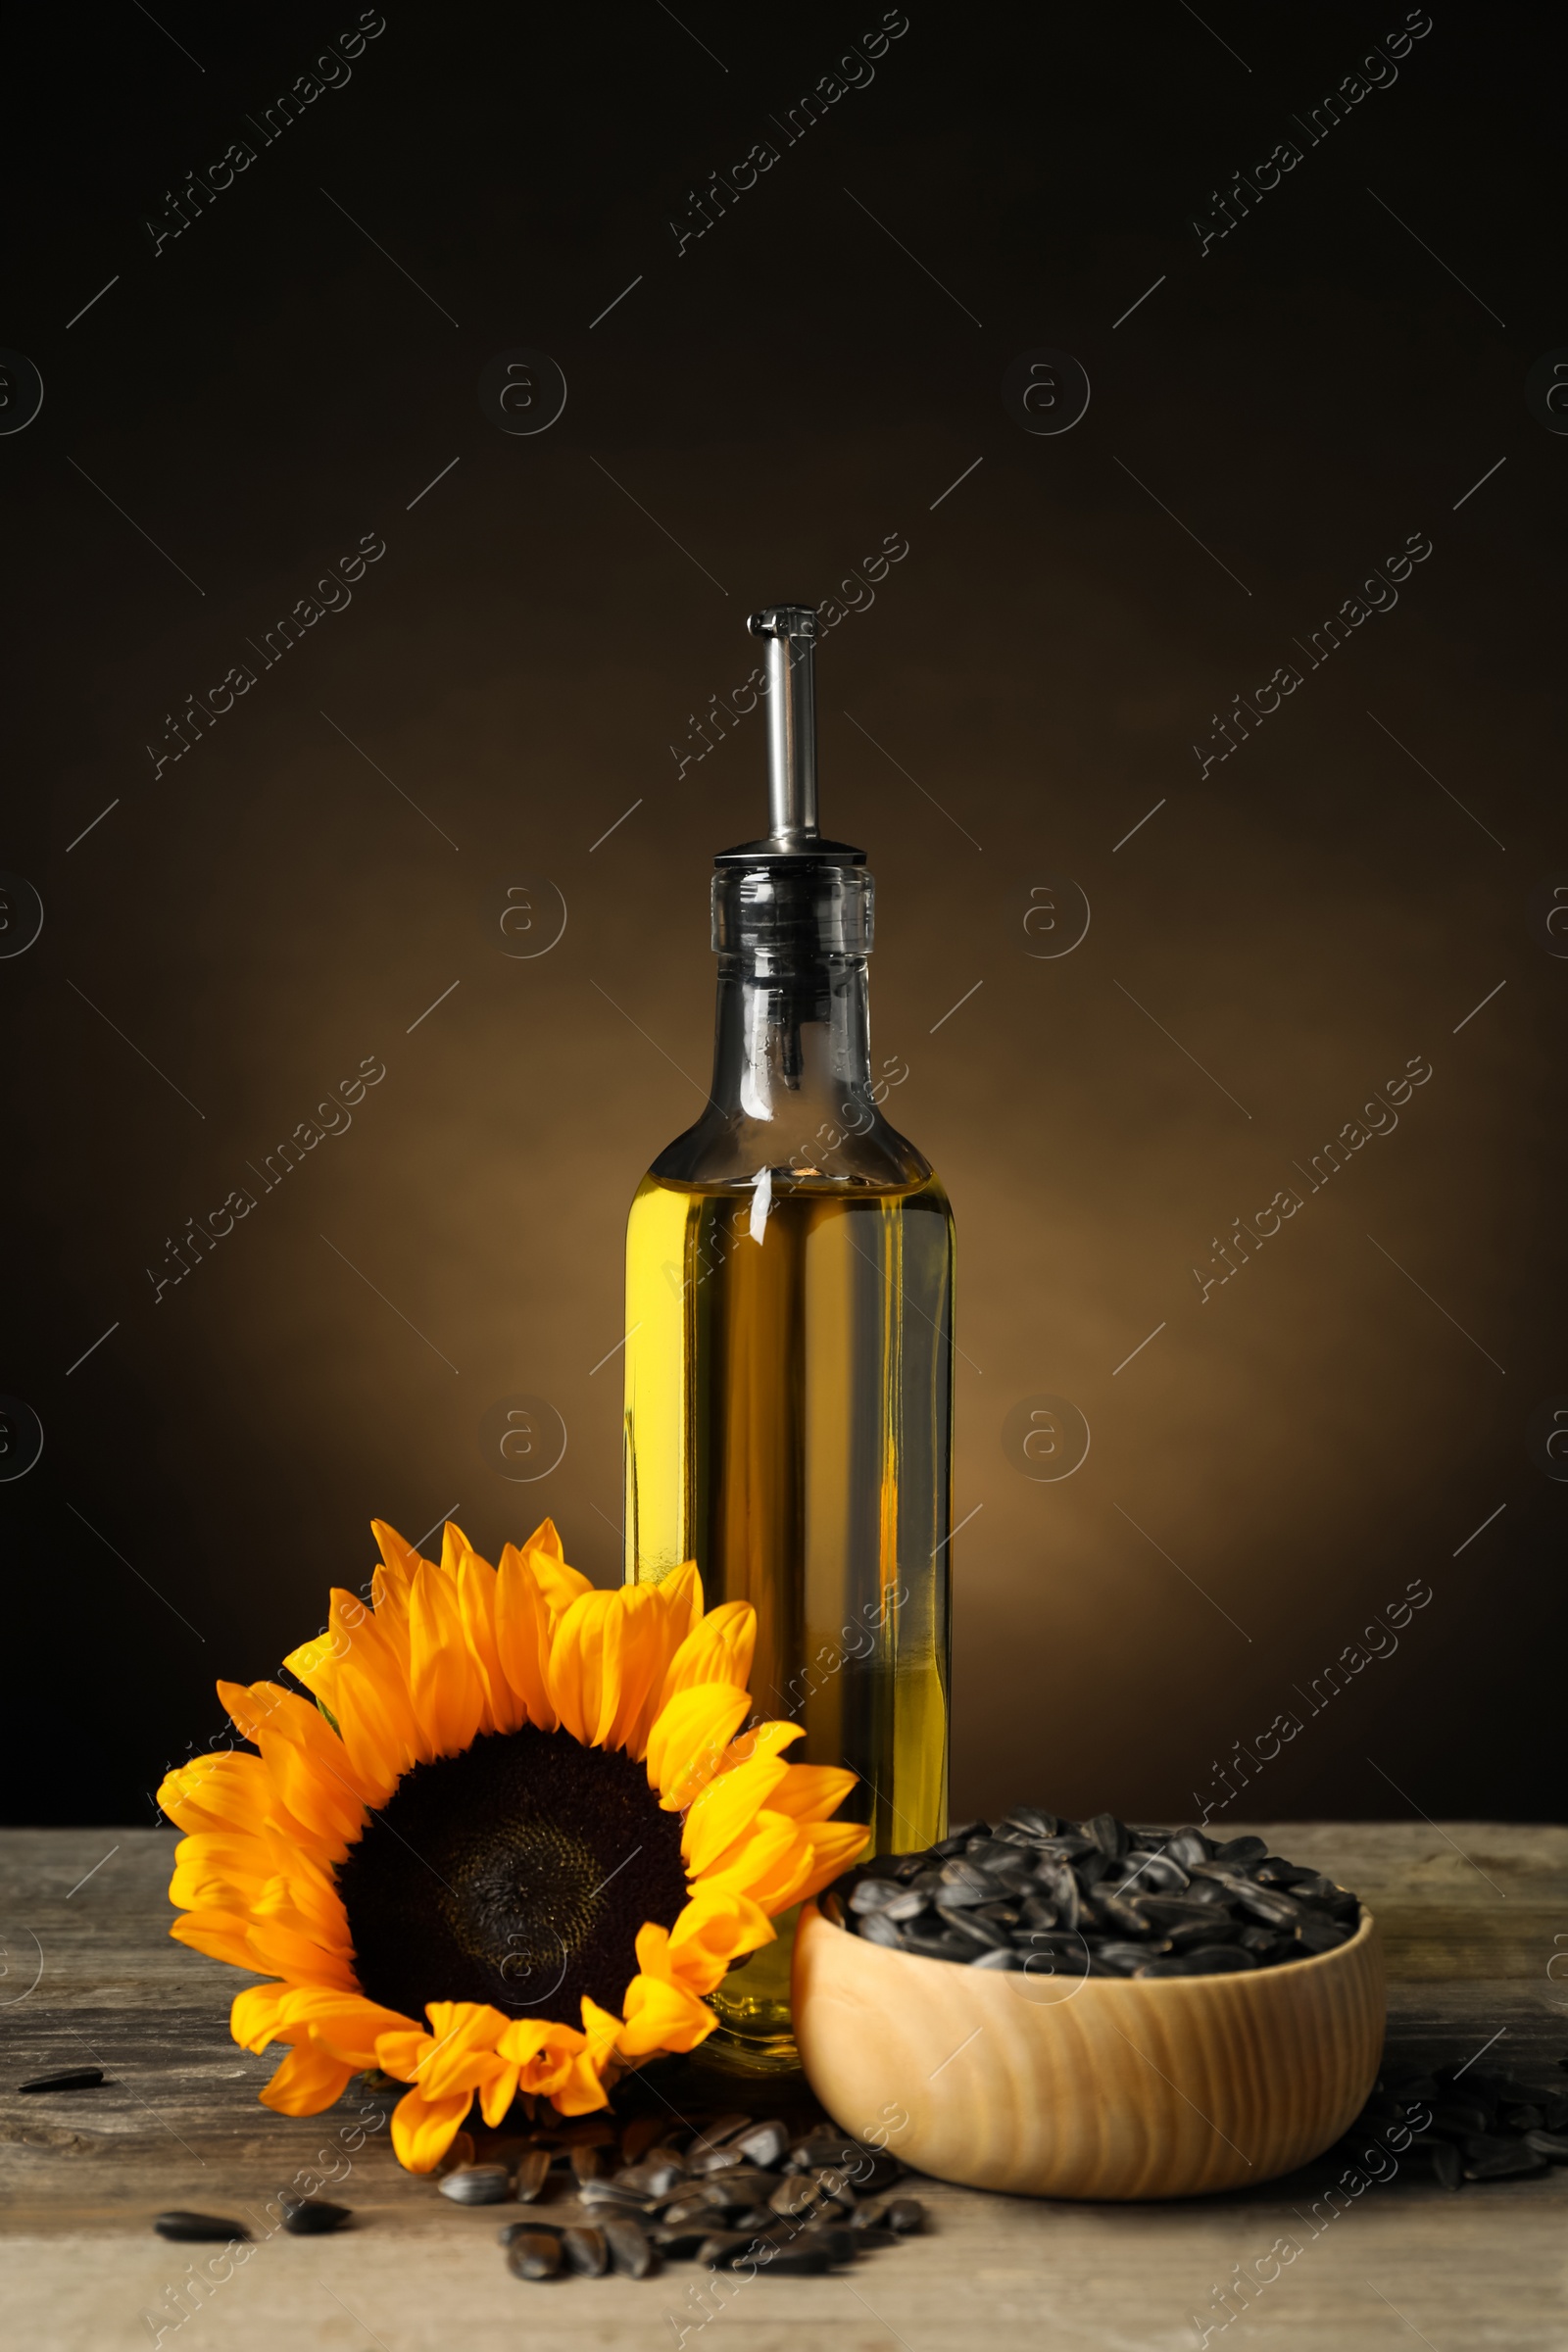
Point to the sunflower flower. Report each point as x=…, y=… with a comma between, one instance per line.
x=514, y=1843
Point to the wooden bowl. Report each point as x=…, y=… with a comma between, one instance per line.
x=1102, y=2087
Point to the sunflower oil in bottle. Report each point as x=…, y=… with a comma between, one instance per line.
x=789, y=1374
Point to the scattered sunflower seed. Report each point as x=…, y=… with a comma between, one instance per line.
x=1452, y=2123
x=762, y=2144
x=715, y=2250
x=198, y=2228
x=75, y=2078
x=783, y=2195
x=802, y=2259
x=629, y=2250
x=1505, y=2160
x=655, y=2177
x=685, y=2213
x=477, y=2184
x=678, y=2245
x=585, y=2249
x=610, y=2197
x=795, y=2198
x=716, y=2134
x=534, y=2254
x=313, y=2217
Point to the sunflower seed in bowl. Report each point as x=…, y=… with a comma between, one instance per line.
x=1097, y=1898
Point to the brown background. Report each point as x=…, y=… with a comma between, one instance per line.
x=782, y=396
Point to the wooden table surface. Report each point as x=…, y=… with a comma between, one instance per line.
x=1472, y=1914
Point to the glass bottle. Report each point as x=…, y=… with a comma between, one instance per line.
x=789, y=1367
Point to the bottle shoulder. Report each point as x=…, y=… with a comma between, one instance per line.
x=659, y=1194
x=865, y=1153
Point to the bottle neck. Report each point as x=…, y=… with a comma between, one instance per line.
x=791, y=1050
x=793, y=1091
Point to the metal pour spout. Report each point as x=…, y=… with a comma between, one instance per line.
x=790, y=632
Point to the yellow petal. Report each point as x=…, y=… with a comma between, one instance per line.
x=476, y=1605
x=717, y=1928
x=689, y=1739
x=229, y=1789
x=307, y=2082
x=776, y=1872
x=253, y=2020
x=344, y=2024
x=812, y=1791
x=397, y=1557
x=221, y=1934
x=381, y=1745
x=717, y=1650
x=726, y=1809
x=356, y=1671
x=647, y=1634
x=545, y=1539
x=454, y=1543
x=399, y=2050
x=311, y=1892
x=464, y=2034
x=663, y=2016
x=584, y=2089
x=835, y=1844
x=275, y=1905
x=209, y=1864
x=759, y=1859
x=522, y=1621
x=422, y=2130
x=585, y=1664
x=276, y=1950
x=555, y=2062
x=666, y=1613
x=196, y=1887
x=306, y=1762
x=561, y=1585
x=760, y=1740
x=496, y=2096
x=527, y=2041
x=682, y=1591
x=443, y=1680
x=600, y=2032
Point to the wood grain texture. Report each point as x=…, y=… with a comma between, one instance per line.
x=178, y=2124
x=1090, y=2086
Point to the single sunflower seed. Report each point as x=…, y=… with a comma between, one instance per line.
x=75, y=2078
x=477, y=2184
x=198, y=2228
x=630, y=2252
x=313, y=2217
x=585, y=2249
x=534, y=2254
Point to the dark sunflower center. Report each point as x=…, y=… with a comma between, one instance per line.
x=517, y=1873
